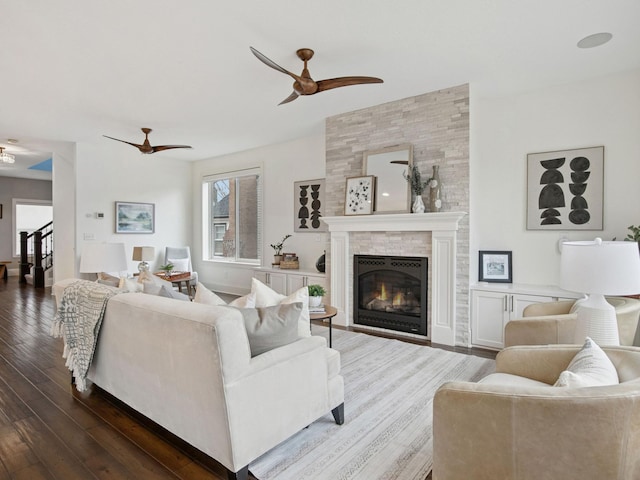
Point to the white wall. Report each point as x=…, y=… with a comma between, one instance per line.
x=107, y=172
x=282, y=164
x=605, y=111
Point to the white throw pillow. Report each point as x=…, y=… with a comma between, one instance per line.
x=267, y=297
x=179, y=264
x=589, y=368
x=130, y=285
x=152, y=283
x=207, y=297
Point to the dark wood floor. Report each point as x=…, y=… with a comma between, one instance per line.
x=50, y=431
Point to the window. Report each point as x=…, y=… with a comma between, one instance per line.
x=232, y=216
x=29, y=216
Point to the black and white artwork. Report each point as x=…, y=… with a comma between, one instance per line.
x=308, y=206
x=565, y=189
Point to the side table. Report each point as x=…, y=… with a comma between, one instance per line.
x=328, y=314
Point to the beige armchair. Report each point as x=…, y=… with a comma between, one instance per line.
x=553, y=323
x=518, y=426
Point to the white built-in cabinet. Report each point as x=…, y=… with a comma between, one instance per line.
x=288, y=281
x=493, y=305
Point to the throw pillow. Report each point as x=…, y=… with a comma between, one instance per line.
x=589, y=368
x=152, y=284
x=266, y=296
x=179, y=264
x=271, y=327
x=130, y=285
x=106, y=279
x=169, y=292
x=206, y=296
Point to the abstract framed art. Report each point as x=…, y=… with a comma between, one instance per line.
x=133, y=217
x=309, y=206
x=495, y=266
x=359, y=195
x=565, y=189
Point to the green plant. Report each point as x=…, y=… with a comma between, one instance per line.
x=316, y=291
x=167, y=268
x=634, y=236
x=414, y=177
x=277, y=247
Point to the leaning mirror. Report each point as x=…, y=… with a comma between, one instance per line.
x=389, y=165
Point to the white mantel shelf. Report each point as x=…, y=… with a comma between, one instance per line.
x=443, y=226
x=399, y=222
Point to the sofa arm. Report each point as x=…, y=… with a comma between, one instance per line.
x=543, y=363
x=491, y=432
x=547, y=330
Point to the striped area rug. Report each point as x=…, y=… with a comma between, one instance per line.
x=387, y=434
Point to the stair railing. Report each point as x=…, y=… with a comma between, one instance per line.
x=36, y=249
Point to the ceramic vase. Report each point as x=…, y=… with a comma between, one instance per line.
x=435, y=191
x=418, y=204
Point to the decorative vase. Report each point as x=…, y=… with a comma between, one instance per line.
x=435, y=191
x=320, y=263
x=315, y=301
x=418, y=204
x=277, y=259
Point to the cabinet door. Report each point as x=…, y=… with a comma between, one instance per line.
x=295, y=282
x=518, y=302
x=278, y=282
x=489, y=312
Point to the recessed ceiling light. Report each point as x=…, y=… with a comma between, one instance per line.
x=595, y=40
x=12, y=140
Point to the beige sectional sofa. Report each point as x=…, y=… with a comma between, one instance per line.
x=188, y=367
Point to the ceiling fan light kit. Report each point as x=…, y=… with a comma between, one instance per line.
x=303, y=84
x=6, y=157
x=146, y=147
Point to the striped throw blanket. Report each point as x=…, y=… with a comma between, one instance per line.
x=78, y=321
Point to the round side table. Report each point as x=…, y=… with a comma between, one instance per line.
x=328, y=314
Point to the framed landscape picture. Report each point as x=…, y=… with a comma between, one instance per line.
x=359, y=195
x=132, y=217
x=565, y=189
x=495, y=266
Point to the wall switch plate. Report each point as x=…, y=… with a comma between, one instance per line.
x=89, y=236
x=99, y=215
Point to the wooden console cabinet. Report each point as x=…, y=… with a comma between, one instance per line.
x=288, y=281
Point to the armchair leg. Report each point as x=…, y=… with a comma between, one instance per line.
x=338, y=414
x=242, y=474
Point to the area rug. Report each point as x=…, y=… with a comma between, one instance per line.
x=387, y=434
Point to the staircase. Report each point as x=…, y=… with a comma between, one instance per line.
x=36, y=256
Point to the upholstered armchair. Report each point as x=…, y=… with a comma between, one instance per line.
x=181, y=258
x=515, y=425
x=555, y=323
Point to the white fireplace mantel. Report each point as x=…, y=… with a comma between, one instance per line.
x=443, y=226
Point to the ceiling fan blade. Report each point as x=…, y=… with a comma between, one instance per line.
x=290, y=98
x=159, y=148
x=124, y=141
x=270, y=63
x=345, y=82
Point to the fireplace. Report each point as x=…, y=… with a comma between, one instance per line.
x=390, y=292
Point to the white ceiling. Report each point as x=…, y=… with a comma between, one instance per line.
x=75, y=70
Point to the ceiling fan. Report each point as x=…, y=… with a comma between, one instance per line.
x=146, y=147
x=304, y=84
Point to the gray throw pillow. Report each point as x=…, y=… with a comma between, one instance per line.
x=171, y=293
x=271, y=327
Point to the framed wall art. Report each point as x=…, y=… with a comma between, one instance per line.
x=359, y=195
x=565, y=189
x=309, y=206
x=495, y=266
x=132, y=217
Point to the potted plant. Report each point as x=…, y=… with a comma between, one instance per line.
x=417, y=185
x=634, y=236
x=277, y=250
x=167, y=269
x=316, y=292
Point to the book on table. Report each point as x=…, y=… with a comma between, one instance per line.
x=318, y=309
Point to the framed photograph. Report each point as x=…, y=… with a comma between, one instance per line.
x=359, y=195
x=134, y=217
x=565, y=189
x=495, y=267
x=308, y=206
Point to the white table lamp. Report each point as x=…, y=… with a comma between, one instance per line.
x=143, y=255
x=599, y=268
x=103, y=257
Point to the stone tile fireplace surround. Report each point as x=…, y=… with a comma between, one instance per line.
x=436, y=124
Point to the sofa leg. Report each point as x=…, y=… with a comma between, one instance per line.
x=338, y=414
x=242, y=474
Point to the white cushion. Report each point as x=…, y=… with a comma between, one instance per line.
x=589, y=368
x=179, y=264
x=207, y=297
x=169, y=292
x=266, y=297
x=152, y=283
x=130, y=285
x=511, y=380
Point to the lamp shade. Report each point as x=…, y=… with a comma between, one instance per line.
x=143, y=254
x=607, y=268
x=103, y=257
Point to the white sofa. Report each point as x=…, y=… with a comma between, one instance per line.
x=188, y=367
